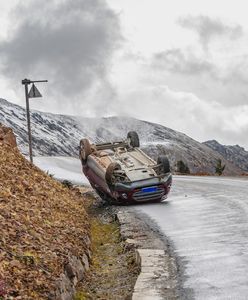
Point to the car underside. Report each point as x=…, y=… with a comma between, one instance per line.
x=121, y=172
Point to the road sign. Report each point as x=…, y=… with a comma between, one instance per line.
x=34, y=92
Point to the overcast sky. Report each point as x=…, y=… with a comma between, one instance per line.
x=183, y=64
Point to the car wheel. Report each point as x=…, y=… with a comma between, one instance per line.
x=164, y=165
x=133, y=139
x=85, y=150
x=109, y=176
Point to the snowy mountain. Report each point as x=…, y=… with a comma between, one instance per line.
x=235, y=154
x=60, y=135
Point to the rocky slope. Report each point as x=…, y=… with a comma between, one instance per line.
x=60, y=134
x=44, y=240
x=235, y=154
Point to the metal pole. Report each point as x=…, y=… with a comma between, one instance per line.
x=26, y=82
x=28, y=123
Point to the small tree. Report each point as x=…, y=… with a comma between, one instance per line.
x=67, y=184
x=219, y=168
x=50, y=175
x=182, y=167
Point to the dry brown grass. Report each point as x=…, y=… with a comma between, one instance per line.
x=41, y=223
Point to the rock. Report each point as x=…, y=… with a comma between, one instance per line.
x=74, y=272
x=7, y=136
x=65, y=288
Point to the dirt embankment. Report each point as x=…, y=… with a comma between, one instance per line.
x=44, y=240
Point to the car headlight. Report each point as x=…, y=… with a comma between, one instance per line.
x=124, y=195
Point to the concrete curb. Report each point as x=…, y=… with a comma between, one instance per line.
x=152, y=261
x=158, y=277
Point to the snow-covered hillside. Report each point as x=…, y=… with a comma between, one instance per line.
x=59, y=135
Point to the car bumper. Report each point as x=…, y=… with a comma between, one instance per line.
x=148, y=190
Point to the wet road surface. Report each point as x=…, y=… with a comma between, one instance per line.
x=206, y=220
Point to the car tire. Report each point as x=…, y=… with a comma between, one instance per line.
x=85, y=150
x=164, y=165
x=110, y=171
x=133, y=138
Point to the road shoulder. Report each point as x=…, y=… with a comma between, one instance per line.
x=158, y=277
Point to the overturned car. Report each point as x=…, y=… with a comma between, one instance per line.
x=123, y=173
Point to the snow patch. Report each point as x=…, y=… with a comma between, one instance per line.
x=63, y=168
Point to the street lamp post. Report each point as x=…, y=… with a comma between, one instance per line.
x=32, y=94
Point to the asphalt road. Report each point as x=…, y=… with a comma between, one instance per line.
x=206, y=221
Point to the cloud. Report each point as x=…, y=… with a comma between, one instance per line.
x=209, y=28
x=184, y=71
x=223, y=78
x=178, y=61
x=70, y=43
x=187, y=113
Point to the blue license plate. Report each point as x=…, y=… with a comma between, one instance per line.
x=149, y=189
